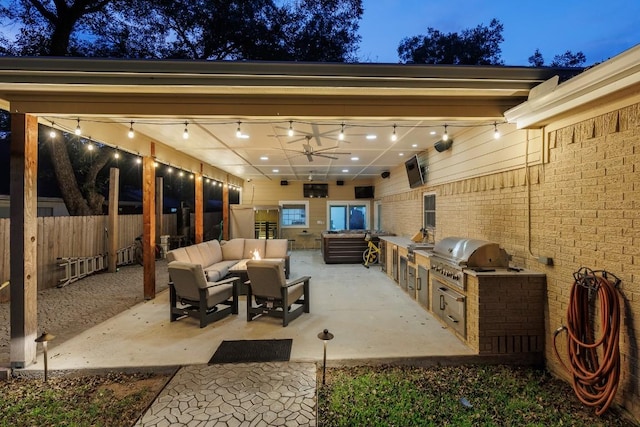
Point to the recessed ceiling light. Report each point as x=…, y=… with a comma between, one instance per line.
x=345, y=170
x=414, y=145
x=433, y=132
x=400, y=154
x=371, y=136
x=355, y=159
x=264, y=158
x=275, y=170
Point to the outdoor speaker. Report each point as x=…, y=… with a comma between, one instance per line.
x=441, y=146
x=339, y=182
x=284, y=182
x=385, y=174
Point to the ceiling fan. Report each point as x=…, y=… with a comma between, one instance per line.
x=322, y=152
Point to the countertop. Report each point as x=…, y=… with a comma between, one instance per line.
x=498, y=271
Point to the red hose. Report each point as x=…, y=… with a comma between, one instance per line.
x=595, y=379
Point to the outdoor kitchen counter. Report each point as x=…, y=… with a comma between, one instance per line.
x=504, y=272
x=397, y=240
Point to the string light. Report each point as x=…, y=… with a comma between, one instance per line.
x=131, y=133
x=90, y=146
x=394, y=136
x=78, y=129
x=445, y=135
x=185, y=134
x=496, y=132
x=290, y=132
x=341, y=135
x=116, y=155
x=138, y=160
x=52, y=132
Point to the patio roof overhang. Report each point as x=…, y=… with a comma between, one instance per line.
x=382, y=94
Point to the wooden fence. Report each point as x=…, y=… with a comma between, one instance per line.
x=72, y=236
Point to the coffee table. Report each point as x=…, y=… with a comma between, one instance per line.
x=240, y=270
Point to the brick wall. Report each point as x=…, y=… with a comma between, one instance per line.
x=581, y=208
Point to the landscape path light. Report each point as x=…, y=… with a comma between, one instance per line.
x=44, y=338
x=325, y=336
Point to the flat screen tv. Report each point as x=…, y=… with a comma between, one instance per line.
x=414, y=172
x=316, y=190
x=364, y=192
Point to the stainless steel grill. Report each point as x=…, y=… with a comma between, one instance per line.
x=452, y=254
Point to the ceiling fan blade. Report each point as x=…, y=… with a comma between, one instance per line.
x=326, y=149
x=326, y=156
x=309, y=157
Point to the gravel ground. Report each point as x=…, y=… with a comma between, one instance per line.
x=68, y=311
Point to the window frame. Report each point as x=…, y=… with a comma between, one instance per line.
x=431, y=227
x=284, y=203
x=349, y=204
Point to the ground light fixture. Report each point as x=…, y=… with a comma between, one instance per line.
x=325, y=336
x=44, y=339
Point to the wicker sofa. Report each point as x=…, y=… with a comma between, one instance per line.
x=216, y=258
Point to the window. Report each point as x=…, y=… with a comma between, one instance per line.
x=429, y=211
x=348, y=215
x=295, y=214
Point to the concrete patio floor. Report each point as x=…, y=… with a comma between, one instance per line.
x=371, y=317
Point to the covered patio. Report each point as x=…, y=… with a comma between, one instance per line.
x=106, y=96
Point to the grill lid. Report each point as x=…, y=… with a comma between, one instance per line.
x=471, y=252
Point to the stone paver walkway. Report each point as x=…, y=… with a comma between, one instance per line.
x=242, y=394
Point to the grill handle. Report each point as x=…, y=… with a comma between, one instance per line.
x=453, y=319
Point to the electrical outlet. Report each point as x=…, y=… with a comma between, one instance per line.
x=545, y=260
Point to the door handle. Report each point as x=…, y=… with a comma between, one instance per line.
x=442, y=304
x=419, y=283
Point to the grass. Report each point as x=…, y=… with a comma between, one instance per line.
x=101, y=400
x=361, y=396
x=453, y=396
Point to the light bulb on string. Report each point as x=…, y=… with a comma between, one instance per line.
x=394, y=135
x=445, y=135
x=52, y=132
x=78, y=130
x=496, y=132
x=90, y=146
x=341, y=135
x=185, y=133
x=116, y=154
x=238, y=131
x=131, y=133
x=290, y=131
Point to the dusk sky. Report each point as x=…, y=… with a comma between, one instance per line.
x=600, y=29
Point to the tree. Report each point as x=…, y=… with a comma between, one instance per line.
x=569, y=59
x=302, y=30
x=536, y=60
x=477, y=46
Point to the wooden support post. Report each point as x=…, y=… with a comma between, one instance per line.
x=149, y=227
x=23, y=239
x=159, y=205
x=114, y=196
x=225, y=211
x=199, y=208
